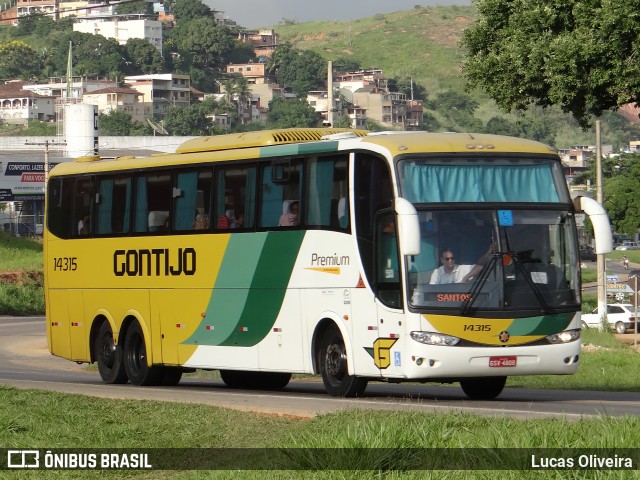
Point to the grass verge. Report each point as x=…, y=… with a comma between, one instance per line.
x=36, y=419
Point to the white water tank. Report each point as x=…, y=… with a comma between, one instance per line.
x=81, y=129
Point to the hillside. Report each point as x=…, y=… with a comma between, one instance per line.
x=424, y=44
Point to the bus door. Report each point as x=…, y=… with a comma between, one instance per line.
x=388, y=347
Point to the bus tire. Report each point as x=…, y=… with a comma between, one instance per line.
x=171, y=376
x=483, y=388
x=109, y=356
x=135, y=359
x=332, y=358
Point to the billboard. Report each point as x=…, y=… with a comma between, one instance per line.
x=22, y=179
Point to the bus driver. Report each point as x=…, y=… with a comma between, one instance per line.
x=449, y=272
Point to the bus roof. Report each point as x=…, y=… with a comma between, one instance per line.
x=296, y=141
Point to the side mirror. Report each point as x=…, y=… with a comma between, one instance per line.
x=408, y=227
x=599, y=220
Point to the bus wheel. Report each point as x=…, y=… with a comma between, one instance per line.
x=332, y=357
x=234, y=378
x=135, y=359
x=109, y=356
x=171, y=376
x=483, y=388
x=272, y=380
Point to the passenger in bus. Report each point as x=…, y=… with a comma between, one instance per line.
x=449, y=272
x=201, y=222
x=83, y=225
x=289, y=216
x=228, y=220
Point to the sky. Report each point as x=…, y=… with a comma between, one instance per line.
x=265, y=13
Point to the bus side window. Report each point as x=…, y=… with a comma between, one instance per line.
x=83, y=206
x=326, y=204
x=276, y=188
x=192, y=200
x=153, y=194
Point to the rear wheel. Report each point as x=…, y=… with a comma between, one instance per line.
x=109, y=356
x=483, y=388
x=620, y=327
x=135, y=359
x=332, y=358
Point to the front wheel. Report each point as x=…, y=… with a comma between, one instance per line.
x=135, y=359
x=109, y=356
x=332, y=358
x=483, y=388
x=620, y=327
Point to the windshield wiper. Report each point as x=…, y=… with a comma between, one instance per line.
x=487, y=269
x=534, y=288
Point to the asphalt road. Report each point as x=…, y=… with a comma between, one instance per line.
x=26, y=363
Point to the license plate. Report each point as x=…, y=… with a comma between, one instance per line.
x=503, y=361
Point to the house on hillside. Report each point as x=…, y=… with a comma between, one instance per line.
x=162, y=90
x=19, y=106
x=264, y=42
x=119, y=99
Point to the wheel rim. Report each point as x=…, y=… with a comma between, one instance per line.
x=107, y=350
x=336, y=363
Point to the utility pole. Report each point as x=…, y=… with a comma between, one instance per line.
x=46, y=144
x=600, y=264
x=330, y=93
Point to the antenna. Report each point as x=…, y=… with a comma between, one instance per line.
x=157, y=127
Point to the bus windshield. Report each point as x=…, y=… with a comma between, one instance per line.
x=495, y=259
x=484, y=179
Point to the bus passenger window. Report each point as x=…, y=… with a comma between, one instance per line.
x=192, y=200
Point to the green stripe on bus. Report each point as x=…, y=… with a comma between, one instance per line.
x=268, y=288
x=543, y=325
x=249, y=290
x=298, y=149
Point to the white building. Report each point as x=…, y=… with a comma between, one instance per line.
x=162, y=90
x=122, y=29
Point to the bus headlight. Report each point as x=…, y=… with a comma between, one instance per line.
x=564, y=337
x=431, y=338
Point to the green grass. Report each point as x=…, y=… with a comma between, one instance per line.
x=36, y=419
x=19, y=254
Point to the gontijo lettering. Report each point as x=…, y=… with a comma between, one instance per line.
x=154, y=262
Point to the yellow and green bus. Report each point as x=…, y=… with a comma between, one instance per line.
x=319, y=251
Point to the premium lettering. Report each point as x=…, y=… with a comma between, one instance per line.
x=155, y=262
x=329, y=260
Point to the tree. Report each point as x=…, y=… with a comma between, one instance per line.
x=187, y=10
x=142, y=57
x=621, y=177
x=575, y=54
x=18, y=60
x=136, y=7
x=285, y=113
x=203, y=44
x=93, y=55
x=237, y=89
x=300, y=70
x=120, y=123
x=191, y=120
